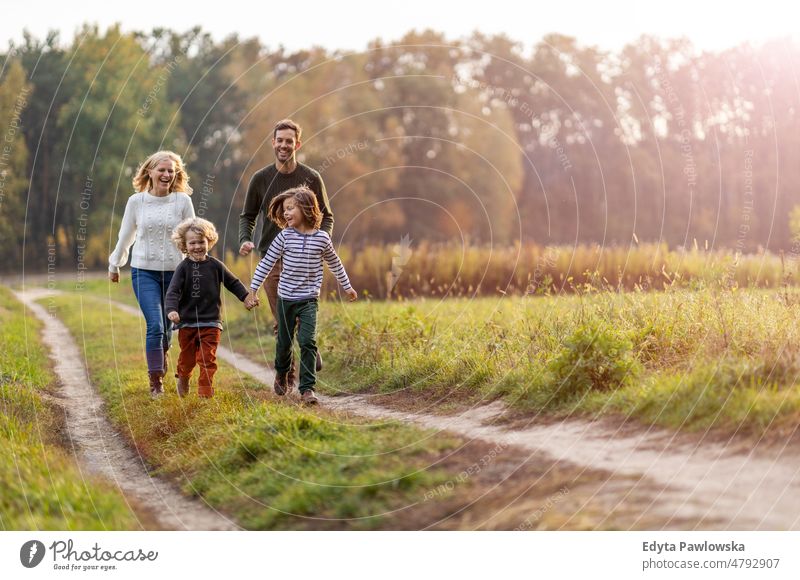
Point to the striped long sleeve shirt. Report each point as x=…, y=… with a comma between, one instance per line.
x=302, y=255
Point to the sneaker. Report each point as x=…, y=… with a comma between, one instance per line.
x=319, y=362
x=309, y=398
x=280, y=384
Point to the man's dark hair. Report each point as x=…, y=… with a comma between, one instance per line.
x=287, y=124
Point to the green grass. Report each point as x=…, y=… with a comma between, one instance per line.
x=707, y=358
x=272, y=465
x=702, y=359
x=101, y=288
x=249, y=332
x=42, y=487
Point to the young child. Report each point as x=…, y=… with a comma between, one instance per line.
x=302, y=246
x=193, y=303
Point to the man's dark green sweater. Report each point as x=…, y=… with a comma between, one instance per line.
x=264, y=186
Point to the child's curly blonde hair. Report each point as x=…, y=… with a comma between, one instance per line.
x=142, y=181
x=305, y=199
x=197, y=225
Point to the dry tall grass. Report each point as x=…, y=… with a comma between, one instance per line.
x=411, y=270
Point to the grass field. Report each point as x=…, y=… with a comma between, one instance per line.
x=317, y=469
x=708, y=358
x=275, y=465
x=697, y=360
x=42, y=486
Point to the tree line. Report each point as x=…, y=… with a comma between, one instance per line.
x=477, y=140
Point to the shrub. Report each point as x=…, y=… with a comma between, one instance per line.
x=593, y=358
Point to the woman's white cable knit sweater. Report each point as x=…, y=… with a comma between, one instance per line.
x=147, y=225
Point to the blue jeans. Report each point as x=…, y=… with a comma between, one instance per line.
x=150, y=287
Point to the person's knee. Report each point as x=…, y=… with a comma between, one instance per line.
x=155, y=330
x=307, y=342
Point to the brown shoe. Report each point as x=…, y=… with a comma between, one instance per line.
x=280, y=384
x=205, y=392
x=156, y=383
x=309, y=398
x=183, y=385
x=319, y=362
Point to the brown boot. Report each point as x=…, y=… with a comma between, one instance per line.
x=183, y=385
x=280, y=384
x=309, y=398
x=156, y=383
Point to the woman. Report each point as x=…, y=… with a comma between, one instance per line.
x=161, y=203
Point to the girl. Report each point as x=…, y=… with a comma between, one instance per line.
x=161, y=203
x=301, y=246
x=194, y=301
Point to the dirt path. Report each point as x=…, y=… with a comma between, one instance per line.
x=100, y=448
x=727, y=486
x=733, y=486
x=753, y=489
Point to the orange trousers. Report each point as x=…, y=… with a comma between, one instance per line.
x=199, y=347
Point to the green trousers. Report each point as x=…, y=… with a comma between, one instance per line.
x=290, y=313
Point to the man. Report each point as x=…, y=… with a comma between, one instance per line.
x=267, y=183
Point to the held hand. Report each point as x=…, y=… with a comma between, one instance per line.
x=114, y=277
x=352, y=295
x=246, y=248
x=251, y=301
x=174, y=317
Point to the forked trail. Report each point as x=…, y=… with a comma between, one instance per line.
x=723, y=485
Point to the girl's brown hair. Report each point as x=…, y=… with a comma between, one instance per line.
x=197, y=225
x=305, y=199
x=142, y=181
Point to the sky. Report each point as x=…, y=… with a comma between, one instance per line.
x=351, y=24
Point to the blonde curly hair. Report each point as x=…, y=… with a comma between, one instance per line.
x=142, y=181
x=197, y=225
